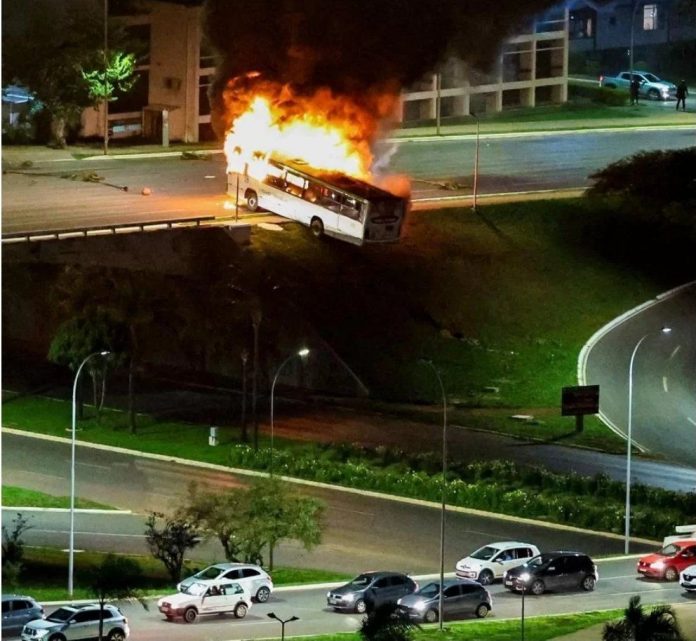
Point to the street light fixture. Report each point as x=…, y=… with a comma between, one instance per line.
x=301, y=353
x=71, y=547
x=627, y=518
x=272, y=615
x=444, y=490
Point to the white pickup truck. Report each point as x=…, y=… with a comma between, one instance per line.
x=650, y=86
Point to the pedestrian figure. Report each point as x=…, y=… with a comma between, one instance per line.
x=635, y=84
x=682, y=93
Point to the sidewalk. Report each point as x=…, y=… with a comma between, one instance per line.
x=686, y=617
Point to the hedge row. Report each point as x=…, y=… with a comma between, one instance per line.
x=497, y=486
x=601, y=95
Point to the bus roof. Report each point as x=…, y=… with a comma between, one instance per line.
x=336, y=180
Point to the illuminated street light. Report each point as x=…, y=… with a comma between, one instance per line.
x=71, y=547
x=301, y=353
x=272, y=615
x=627, y=519
x=444, y=490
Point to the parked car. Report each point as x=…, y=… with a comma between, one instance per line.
x=17, y=610
x=668, y=562
x=251, y=577
x=687, y=578
x=491, y=561
x=460, y=597
x=206, y=597
x=370, y=590
x=78, y=622
x=553, y=571
x=650, y=86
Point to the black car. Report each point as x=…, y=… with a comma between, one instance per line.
x=370, y=590
x=553, y=571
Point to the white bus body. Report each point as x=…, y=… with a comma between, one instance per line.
x=328, y=203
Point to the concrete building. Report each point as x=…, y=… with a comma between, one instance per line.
x=170, y=103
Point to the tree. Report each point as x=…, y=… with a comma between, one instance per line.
x=659, y=624
x=385, y=623
x=219, y=514
x=118, y=75
x=13, y=549
x=80, y=336
x=117, y=577
x=170, y=543
x=275, y=513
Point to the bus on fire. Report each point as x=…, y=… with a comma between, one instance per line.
x=328, y=203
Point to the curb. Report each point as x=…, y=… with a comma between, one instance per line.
x=336, y=488
x=603, y=331
x=65, y=509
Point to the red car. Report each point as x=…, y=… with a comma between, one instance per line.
x=668, y=562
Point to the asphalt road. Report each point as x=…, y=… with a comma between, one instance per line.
x=47, y=198
x=664, y=376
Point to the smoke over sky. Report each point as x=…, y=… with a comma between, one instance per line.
x=356, y=47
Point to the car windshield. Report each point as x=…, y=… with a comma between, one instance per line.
x=429, y=590
x=485, y=553
x=670, y=550
x=196, y=589
x=210, y=573
x=539, y=560
x=361, y=581
x=61, y=614
x=651, y=78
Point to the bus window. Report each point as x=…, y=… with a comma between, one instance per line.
x=351, y=208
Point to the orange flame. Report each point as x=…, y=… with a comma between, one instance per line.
x=329, y=132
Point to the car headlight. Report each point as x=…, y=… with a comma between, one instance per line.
x=40, y=634
x=349, y=597
x=419, y=606
x=658, y=565
x=524, y=577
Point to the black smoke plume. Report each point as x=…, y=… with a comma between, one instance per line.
x=355, y=47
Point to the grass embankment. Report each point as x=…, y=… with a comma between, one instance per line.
x=45, y=574
x=13, y=496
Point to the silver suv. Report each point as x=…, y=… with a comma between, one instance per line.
x=78, y=622
x=18, y=610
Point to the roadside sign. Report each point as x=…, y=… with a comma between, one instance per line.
x=583, y=399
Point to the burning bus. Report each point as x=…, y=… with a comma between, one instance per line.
x=308, y=158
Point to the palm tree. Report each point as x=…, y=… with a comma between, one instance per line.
x=659, y=624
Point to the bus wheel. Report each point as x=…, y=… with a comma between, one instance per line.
x=317, y=227
x=252, y=200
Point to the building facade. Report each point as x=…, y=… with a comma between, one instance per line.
x=170, y=99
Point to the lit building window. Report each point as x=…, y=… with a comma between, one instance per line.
x=650, y=17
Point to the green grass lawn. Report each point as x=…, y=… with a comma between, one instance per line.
x=13, y=496
x=52, y=566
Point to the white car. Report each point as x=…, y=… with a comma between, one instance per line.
x=491, y=561
x=687, y=578
x=206, y=598
x=252, y=578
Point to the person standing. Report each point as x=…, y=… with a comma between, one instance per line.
x=635, y=85
x=682, y=93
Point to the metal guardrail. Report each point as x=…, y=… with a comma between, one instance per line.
x=104, y=230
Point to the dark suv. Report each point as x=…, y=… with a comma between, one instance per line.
x=370, y=590
x=553, y=571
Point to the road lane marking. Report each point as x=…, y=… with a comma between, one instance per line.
x=137, y=536
x=674, y=352
x=664, y=385
x=691, y=420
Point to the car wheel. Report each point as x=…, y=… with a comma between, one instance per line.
x=654, y=94
x=241, y=610
x=431, y=616
x=116, y=635
x=588, y=583
x=252, y=200
x=671, y=574
x=537, y=587
x=263, y=594
x=190, y=615
x=360, y=606
x=317, y=227
x=486, y=577
x=57, y=637
x=482, y=611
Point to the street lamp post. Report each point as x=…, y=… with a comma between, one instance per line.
x=629, y=438
x=476, y=161
x=444, y=491
x=301, y=353
x=272, y=615
x=71, y=547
